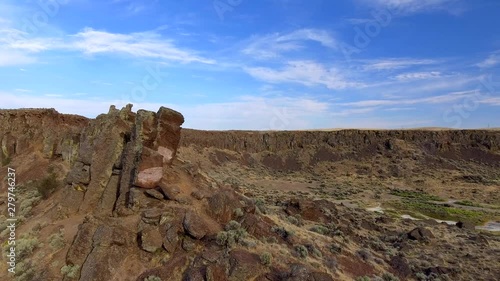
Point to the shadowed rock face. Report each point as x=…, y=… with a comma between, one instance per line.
x=470, y=145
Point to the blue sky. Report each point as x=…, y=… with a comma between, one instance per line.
x=265, y=65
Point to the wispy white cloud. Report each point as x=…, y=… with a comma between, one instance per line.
x=394, y=63
x=274, y=45
x=133, y=7
x=455, y=7
x=22, y=90
x=142, y=44
x=417, y=75
x=493, y=101
x=400, y=109
x=446, y=98
x=491, y=61
x=307, y=73
x=92, y=42
x=353, y=111
x=10, y=58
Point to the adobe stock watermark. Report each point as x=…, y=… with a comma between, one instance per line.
x=281, y=119
x=38, y=20
x=221, y=7
x=365, y=33
x=11, y=220
x=464, y=109
x=150, y=82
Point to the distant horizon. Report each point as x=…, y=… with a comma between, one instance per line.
x=259, y=65
x=284, y=130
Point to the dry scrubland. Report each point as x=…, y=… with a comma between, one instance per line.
x=131, y=196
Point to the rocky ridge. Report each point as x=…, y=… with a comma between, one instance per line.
x=133, y=210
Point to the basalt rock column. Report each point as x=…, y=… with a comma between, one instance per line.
x=118, y=150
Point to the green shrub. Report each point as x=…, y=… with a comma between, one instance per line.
x=336, y=249
x=238, y=212
x=234, y=234
x=363, y=278
x=364, y=254
x=70, y=271
x=222, y=238
x=152, y=278
x=302, y=251
x=293, y=220
x=24, y=271
x=30, y=198
x=48, y=185
x=320, y=229
x=389, y=277
x=6, y=161
x=57, y=241
x=266, y=258
x=261, y=206
x=421, y=276
x=25, y=246
x=416, y=195
x=317, y=253
x=232, y=225
x=271, y=239
x=281, y=231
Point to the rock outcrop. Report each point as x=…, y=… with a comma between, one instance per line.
x=120, y=150
x=134, y=211
x=41, y=130
x=254, y=141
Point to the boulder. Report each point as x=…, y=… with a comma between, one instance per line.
x=465, y=225
x=194, y=225
x=244, y=265
x=152, y=216
x=150, y=239
x=420, y=234
x=149, y=178
x=222, y=204
x=155, y=194
x=168, y=133
x=169, y=191
x=171, y=239
x=401, y=266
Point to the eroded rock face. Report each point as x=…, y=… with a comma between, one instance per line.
x=120, y=150
x=44, y=130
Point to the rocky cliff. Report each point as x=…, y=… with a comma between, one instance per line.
x=128, y=207
x=107, y=155
x=43, y=130
x=299, y=150
x=254, y=141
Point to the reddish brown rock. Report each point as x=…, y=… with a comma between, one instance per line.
x=222, y=205
x=169, y=191
x=194, y=225
x=149, y=178
x=244, y=265
x=150, y=239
